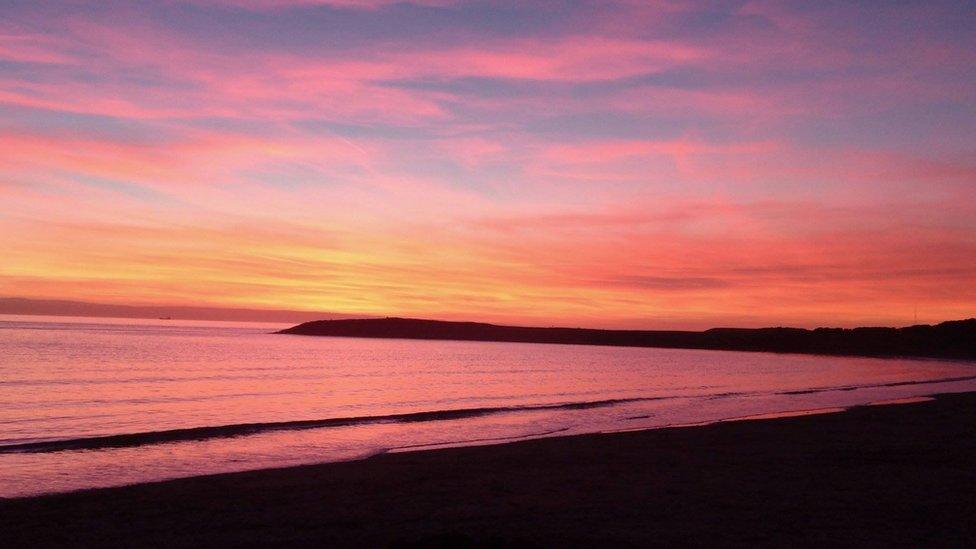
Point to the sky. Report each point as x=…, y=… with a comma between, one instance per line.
x=638, y=164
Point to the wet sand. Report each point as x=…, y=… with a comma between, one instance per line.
x=897, y=474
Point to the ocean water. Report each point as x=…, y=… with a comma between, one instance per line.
x=103, y=402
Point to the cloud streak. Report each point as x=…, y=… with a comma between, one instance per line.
x=641, y=164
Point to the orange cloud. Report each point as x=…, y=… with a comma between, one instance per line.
x=654, y=165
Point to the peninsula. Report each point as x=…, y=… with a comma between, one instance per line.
x=952, y=339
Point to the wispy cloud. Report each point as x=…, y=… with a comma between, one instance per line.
x=630, y=164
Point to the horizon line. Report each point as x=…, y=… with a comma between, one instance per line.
x=28, y=306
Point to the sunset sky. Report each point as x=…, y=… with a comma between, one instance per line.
x=643, y=164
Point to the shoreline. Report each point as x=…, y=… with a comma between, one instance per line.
x=137, y=439
x=900, y=472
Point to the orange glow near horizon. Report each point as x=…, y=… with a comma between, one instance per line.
x=634, y=167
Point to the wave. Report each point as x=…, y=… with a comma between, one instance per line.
x=875, y=385
x=477, y=440
x=127, y=440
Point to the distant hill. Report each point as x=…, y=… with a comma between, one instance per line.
x=954, y=339
x=58, y=307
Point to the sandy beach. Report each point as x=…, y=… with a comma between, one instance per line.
x=897, y=474
x=470, y=273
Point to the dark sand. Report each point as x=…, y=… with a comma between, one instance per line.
x=902, y=475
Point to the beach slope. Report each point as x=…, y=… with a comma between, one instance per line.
x=896, y=475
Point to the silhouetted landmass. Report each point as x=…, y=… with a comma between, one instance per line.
x=953, y=339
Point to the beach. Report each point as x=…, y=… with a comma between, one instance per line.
x=88, y=403
x=469, y=273
x=896, y=475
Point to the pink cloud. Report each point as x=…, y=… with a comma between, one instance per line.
x=350, y=4
x=580, y=172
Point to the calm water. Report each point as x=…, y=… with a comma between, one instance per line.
x=190, y=398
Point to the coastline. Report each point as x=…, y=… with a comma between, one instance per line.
x=954, y=339
x=901, y=474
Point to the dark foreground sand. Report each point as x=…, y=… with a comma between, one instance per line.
x=903, y=475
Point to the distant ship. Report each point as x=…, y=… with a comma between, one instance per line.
x=165, y=318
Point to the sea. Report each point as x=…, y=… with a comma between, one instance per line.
x=87, y=403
